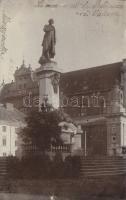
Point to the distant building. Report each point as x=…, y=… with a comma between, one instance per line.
x=94, y=98
x=19, y=91
x=11, y=120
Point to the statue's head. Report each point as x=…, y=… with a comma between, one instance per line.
x=51, y=21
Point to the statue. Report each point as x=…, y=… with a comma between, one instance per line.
x=48, y=43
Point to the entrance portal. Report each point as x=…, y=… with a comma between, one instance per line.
x=94, y=140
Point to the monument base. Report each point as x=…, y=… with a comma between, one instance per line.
x=48, y=66
x=48, y=77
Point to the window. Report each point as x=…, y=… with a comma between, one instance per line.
x=20, y=78
x=16, y=143
x=4, y=141
x=4, y=128
x=17, y=130
x=4, y=154
x=20, y=86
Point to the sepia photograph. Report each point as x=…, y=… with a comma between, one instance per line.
x=62, y=99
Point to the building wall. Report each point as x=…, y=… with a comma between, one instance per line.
x=8, y=140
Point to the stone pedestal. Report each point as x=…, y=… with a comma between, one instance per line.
x=72, y=135
x=76, y=146
x=48, y=77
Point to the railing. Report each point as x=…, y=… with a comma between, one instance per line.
x=62, y=148
x=30, y=148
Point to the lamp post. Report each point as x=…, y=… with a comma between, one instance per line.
x=71, y=136
x=85, y=143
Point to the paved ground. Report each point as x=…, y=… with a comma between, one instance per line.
x=22, y=197
x=40, y=197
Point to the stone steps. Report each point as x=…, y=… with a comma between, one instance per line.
x=102, y=166
x=4, y=185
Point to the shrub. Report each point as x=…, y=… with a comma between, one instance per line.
x=72, y=166
x=41, y=167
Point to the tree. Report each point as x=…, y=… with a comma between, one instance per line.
x=42, y=129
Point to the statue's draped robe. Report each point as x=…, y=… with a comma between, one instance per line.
x=49, y=42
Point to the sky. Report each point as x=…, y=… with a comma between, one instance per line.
x=82, y=41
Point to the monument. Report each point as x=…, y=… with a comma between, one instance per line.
x=48, y=74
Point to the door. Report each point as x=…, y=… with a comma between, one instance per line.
x=94, y=140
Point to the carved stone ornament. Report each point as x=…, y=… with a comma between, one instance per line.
x=55, y=81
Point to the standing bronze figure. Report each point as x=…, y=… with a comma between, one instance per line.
x=49, y=42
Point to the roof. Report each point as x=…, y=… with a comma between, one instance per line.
x=10, y=89
x=7, y=88
x=11, y=116
x=23, y=70
x=91, y=79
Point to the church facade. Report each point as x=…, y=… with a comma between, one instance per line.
x=95, y=98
